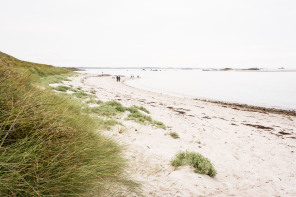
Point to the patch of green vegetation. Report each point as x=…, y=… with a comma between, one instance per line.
x=110, y=123
x=91, y=101
x=49, y=146
x=118, y=106
x=104, y=110
x=94, y=101
x=62, y=88
x=82, y=95
x=108, y=109
x=158, y=124
x=141, y=108
x=132, y=109
x=99, y=102
x=200, y=163
x=137, y=116
x=174, y=135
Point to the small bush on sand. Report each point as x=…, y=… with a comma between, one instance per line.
x=174, y=135
x=201, y=164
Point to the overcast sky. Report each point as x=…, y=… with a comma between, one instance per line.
x=120, y=33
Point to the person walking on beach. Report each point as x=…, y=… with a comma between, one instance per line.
x=117, y=78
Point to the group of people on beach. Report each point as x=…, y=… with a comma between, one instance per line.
x=133, y=76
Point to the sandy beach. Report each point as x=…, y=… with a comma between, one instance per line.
x=253, y=151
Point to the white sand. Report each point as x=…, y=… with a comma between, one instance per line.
x=250, y=161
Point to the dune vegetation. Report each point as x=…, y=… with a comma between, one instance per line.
x=200, y=163
x=49, y=142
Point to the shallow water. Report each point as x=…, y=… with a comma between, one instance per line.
x=266, y=89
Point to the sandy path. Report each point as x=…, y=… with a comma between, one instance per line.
x=250, y=161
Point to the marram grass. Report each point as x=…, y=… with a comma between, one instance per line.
x=48, y=144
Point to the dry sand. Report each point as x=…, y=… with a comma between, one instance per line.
x=254, y=152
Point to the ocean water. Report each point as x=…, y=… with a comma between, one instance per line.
x=266, y=89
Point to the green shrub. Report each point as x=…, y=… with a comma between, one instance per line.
x=201, y=164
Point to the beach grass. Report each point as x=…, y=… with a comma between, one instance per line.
x=62, y=88
x=141, y=118
x=49, y=145
x=200, y=163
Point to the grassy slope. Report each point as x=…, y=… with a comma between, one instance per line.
x=47, y=143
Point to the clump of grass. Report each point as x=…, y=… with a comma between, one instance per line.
x=94, y=101
x=132, y=109
x=118, y=106
x=141, y=108
x=62, y=88
x=158, y=124
x=109, y=109
x=200, y=163
x=99, y=102
x=137, y=116
x=48, y=144
x=91, y=101
x=104, y=110
x=174, y=135
x=110, y=123
x=144, y=109
x=83, y=95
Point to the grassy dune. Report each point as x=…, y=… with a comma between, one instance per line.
x=48, y=143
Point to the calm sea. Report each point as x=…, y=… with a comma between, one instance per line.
x=267, y=89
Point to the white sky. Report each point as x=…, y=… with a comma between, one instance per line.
x=119, y=33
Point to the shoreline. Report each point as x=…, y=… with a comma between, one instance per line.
x=253, y=152
x=242, y=106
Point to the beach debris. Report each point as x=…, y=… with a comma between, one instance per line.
x=259, y=126
x=284, y=133
x=206, y=117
